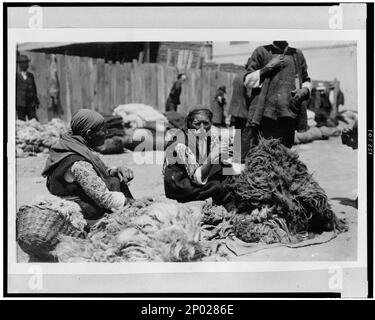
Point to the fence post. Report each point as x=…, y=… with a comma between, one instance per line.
x=68, y=93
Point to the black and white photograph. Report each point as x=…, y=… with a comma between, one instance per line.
x=192, y=158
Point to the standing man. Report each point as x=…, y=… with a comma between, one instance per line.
x=277, y=75
x=339, y=101
x=238, y=107
x=174, y=96
x=26, y=94
x=218, y=111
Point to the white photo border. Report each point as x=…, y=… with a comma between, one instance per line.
x=19, y=35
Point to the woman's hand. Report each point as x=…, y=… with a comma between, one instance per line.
x=219, y=150
x=123, y=173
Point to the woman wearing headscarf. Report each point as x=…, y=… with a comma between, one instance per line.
x=75, y=172
x=192, y=167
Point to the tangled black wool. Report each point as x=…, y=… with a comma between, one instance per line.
x=275, y=178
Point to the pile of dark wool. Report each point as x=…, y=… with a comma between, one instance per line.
x=274, y=178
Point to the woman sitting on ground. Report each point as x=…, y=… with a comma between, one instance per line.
x=75, y=172
x=192, y=167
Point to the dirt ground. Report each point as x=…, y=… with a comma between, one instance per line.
x=333, y=165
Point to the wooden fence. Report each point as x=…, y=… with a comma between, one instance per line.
x=92, y=83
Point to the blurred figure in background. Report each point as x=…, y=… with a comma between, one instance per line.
x=321, y=106
x=218, y=108
x=238, y=106
x=339, y=99
x=26, y=94
x=174, y=95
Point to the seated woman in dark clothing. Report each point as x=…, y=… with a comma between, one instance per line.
x=192, y=167
x=75, y=172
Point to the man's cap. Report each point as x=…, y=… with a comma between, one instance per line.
x=22, y=58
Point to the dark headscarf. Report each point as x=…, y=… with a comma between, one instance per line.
x=73, y=142
x=197, y=110
x=85, y=119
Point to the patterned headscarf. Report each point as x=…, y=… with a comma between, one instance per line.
x=85, y=119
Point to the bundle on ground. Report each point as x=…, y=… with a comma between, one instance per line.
x=146, y=230
x=278, y=197
x=33, y=137
x=138, y=115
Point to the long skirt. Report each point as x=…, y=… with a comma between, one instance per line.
x=179, y=186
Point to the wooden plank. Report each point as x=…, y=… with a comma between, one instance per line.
x=61, y=74
x=113, y=87
x=149, y=87
x=107, y=88
x=126, y=75
x=199, y=85
x=141, y=84
x=161, y=98
x=169, y=56
x=180, y=61
x=136, y=83
x=154, y=88
x=77, y=84
x=128, y=91
x=101, y=84
x=144, y=82
x=43, y=62
x=85, y=82
x=133, y=85
x=190, y=60
x=192, y=89
x=93, y=84
x=118, y=84
x=205, y=88
x=68, y=78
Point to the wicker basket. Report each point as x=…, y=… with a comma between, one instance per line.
x=38, y=229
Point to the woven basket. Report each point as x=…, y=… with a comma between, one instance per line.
x=38, y=229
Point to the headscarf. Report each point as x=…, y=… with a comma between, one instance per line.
x=73, y=142
x=195, y=111
x=85, y=119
